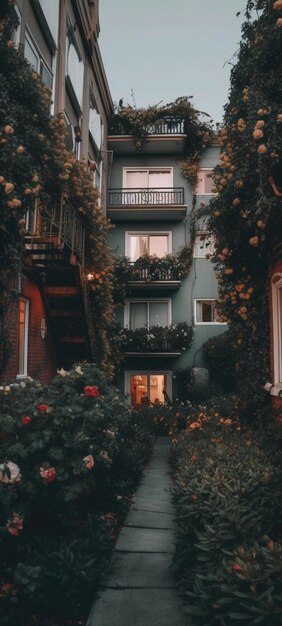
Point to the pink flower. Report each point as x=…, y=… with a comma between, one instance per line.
x=10, y=472
x=15, y=525
x=43, y=408
x=48, y=474
x=88, y=461
x=236, y=567
x=26, y=420
x=92, y=391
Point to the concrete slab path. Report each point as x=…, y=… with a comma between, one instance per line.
x=140, y=590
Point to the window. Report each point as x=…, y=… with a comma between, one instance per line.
x=204, y=245
x=205, y=182
x=147, y=389
x=23, y=336
x=74, y=68
x=158, y=182
x=16, y=33
x=143, y=244
x=36, y=61
x=206, y=313
x=277, y=327
x=140, y=313
x=95, y=122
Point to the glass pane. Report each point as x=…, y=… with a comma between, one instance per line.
x=160, y=179
x=138, y=246
x=75, y=70
x=158, y=245
x=138, y=315
x=136, y=179
x=158, y=388
x=208, y=182
x=30, y=55
x=158, y=313
x=46, y=75
x=207, y=312
x=139, y=390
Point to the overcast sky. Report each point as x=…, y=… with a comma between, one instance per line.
x=157, y=50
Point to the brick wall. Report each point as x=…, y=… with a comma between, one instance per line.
x=41, y=352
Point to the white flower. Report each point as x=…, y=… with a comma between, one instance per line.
x=13, y=475
x=78, y=370
x=105, y=456
x=62, y=372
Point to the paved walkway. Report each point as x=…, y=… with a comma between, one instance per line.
x=140, y=590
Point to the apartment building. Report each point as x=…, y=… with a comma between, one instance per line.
x=49, y=317
x=156, y=213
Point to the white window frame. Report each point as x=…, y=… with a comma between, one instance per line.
x=276, y=284
x=146, y=300
x=40, y=58
x=16, y=34
x=166, y=169
x=23, y=374
x=196, y=301
x=200, y=187
x=129, y=373
x=209, y=249
x=152, y=233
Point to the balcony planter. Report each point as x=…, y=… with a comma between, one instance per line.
x=173, y=338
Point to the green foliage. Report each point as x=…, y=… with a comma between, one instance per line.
x=246, y=214
x=156, y=338
x=221, y=356
x=70, y=456
x=228, y=558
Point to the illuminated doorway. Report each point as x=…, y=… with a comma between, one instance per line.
x=148, y=389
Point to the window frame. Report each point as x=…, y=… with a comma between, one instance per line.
x=129, y=373
x=197, y=323
x=23, y=373
x=154, y=169
x=276, y=287
x=200, y=186
x=147, y=233
x=147, y=301
x=40, y=58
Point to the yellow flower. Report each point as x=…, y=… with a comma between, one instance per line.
x=260, y=124
x=279, y=118
x=262, y=149
x=20, y=150
x=277, y=5
x=257, y=133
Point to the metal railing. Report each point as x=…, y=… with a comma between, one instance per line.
x=150, y=197
x=168, y=125
x=154, y=273
x=55, y=219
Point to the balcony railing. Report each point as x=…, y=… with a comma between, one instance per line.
x=174, y=338
x=55, y=220
x=147, y=197
x=168, y=125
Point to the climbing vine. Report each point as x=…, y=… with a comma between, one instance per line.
x=246, y=214
x=34, y=163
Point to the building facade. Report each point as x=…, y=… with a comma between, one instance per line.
x=157, y=220
x=49, y=318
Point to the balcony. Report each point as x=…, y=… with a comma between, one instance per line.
x=164, y=135
x=162, y=203
x=164, y=341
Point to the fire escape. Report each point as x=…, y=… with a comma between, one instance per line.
x=54, y=250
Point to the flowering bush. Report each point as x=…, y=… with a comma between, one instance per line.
x=66, y=474
x=228, y=558
x=156, y=338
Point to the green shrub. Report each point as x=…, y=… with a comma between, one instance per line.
x=221, y=356
x=228, y=558
x=70, y=456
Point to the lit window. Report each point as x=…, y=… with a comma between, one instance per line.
x=205, y=182
x=148, y=389
x=143, y=244
x=23, y=336
x=149, y=186
x=204, y=245
x=206, y=313
x=36, y=61
x=277, y=327
x=146, y=313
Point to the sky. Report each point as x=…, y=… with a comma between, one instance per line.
x=158, y=50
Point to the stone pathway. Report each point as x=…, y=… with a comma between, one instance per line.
x=140, y=590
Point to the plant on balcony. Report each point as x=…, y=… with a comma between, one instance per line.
x=34, y=162
x=156, y=338
x=150, y=268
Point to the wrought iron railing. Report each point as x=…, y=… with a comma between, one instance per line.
x=168, y=125
x=55, y=219
x=174, y=338
x=150, y=197
x=154, y=271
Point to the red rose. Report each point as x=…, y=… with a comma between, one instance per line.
x=236, y=567
x=43, y=408
x=48, y=474
x=26, y=420
x=92, y=391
